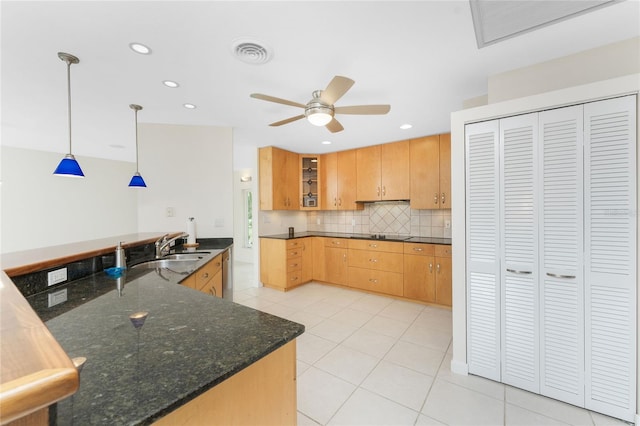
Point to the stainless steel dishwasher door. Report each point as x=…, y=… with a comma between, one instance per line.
x=227, y=276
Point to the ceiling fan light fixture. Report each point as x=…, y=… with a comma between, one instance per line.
x=319, y=116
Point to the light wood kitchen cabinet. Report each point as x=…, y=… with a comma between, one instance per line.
x=383, y=172
x=285, y=264
x=431, y=172
x=427, y=273
x=335, y=256
x=279, y=179
x=376, y=266
x=207, y=279
x=309, y=181
x=338, y=181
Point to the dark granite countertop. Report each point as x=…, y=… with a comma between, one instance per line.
x=189, y=343
x=389, y=237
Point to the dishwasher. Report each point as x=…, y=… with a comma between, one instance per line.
x=227, y=276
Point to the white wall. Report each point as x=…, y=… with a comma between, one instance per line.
x=189, y=169
x=39, y=209
x=573, y=95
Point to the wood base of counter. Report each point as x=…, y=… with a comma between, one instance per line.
x=263, y=393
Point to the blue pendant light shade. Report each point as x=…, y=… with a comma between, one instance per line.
x=136, y=180
x=69, y=166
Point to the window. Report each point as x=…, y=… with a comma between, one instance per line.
x=247, y=196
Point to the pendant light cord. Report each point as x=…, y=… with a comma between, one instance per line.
x=136, y=118
x=69, y=100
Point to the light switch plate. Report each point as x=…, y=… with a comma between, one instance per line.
x=57, y=276
x=57, y=297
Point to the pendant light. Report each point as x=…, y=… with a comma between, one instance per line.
x=69, y=166
x=136, y=180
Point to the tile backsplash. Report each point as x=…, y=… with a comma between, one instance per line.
x=389, y=218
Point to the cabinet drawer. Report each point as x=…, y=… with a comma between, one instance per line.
x=296, y=243
x=376, y=245
x=204, y=274
x=336, y=242
x=294, y=278
x=378, y=281
x=294, y=264
x=443, y=251
x=392, y=262
x=419, y=249
x=294, y=253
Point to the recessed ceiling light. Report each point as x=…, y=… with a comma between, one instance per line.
x=406, y=126
x=140, y=48
x=189, y=106
x=326, y=142
x=170, y=83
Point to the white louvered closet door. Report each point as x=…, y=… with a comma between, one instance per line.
x=561, y=255
x=483, y=268
x=610, y=234
x=519, y=218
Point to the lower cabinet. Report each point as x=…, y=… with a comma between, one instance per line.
x=376, y=266
x=335, y=256
x=427, y=273
x=285, y=264
x=207, y=279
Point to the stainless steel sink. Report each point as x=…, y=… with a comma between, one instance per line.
x=180, y=266
x=184, y=256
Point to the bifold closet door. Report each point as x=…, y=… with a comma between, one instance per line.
x=610, y=236
x=519, y=275
x=561, y=255
x=482, y=232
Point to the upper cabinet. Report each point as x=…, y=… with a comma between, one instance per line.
x=431, y=172
x=309, y=178
x=279, y=179
x=338, y=177
x=383, y=172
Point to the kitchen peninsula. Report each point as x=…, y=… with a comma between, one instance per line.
x=159, y=352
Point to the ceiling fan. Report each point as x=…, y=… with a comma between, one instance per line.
x=320, y=110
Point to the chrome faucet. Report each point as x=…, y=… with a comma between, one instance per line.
x=163, y=244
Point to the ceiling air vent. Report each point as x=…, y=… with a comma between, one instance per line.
x=251, y=52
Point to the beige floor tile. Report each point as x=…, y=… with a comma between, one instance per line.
x=387, y=326
x=305, y=318
x=323, y=309
x=475, y=383
x=311, y=348
x=431, y=337
x=427, y=421
x=399, y=384
x=369, y=342
x=321, y=394
x=256, y=303
x=415, y=357
x=454, y=405
x=402, y=311
x=367, y=408
x=517, y=416
x=332, y=330
x=371, y=303
x=301, y=367
x=348, y=364
x=352, y=317
x=278, y=309
x=548, y=407
x=305, y=421
x=602, y=420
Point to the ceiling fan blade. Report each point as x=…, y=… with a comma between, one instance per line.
x=336, y=88
x=286, y=121
x=276, y=100
x=334, y=126
x=363, y=109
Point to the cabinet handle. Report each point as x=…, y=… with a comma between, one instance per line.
x=294, y=243
x=560, y=275
x=443, y=199
x=337, y=243
x=373, y=245
x=218, y=263
x=335, y=202
x=378, y=191
x=431, y=268
x=417, y=249
x=205, y=275
x=212, y=291
x=437, y=267
x=384, y=190
x=373, y=260
x=294, y=265
x=340, y=202
x=435, y=198
x=372, y=280
x=344, y=257
x=294, y=278
x=295, y=253
x=513, y=271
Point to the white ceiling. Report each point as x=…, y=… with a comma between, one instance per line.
x=420, y=57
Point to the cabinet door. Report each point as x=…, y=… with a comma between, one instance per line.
x=611, y=262
x=425, y=172
x=336, y=265
x=483, y=242
x=278, y=179
x=520, y=301
x=292, y=181
x=368, y=174
x=394, y=160
x=419, y=278
x=319, y=260
x=214, y=285
x=307, y=260
x=329, y=181
x=347, y=177
x=445, y=170
x=443, y=281
x=561, y=257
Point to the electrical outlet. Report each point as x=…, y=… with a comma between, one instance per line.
x=170, y=212
x=57, y=297
x=317, y=221
x=57, y=276
x=447, y=224
x=353, y=222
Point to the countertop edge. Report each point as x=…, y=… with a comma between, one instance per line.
x=307, y=234
x=37, y=372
